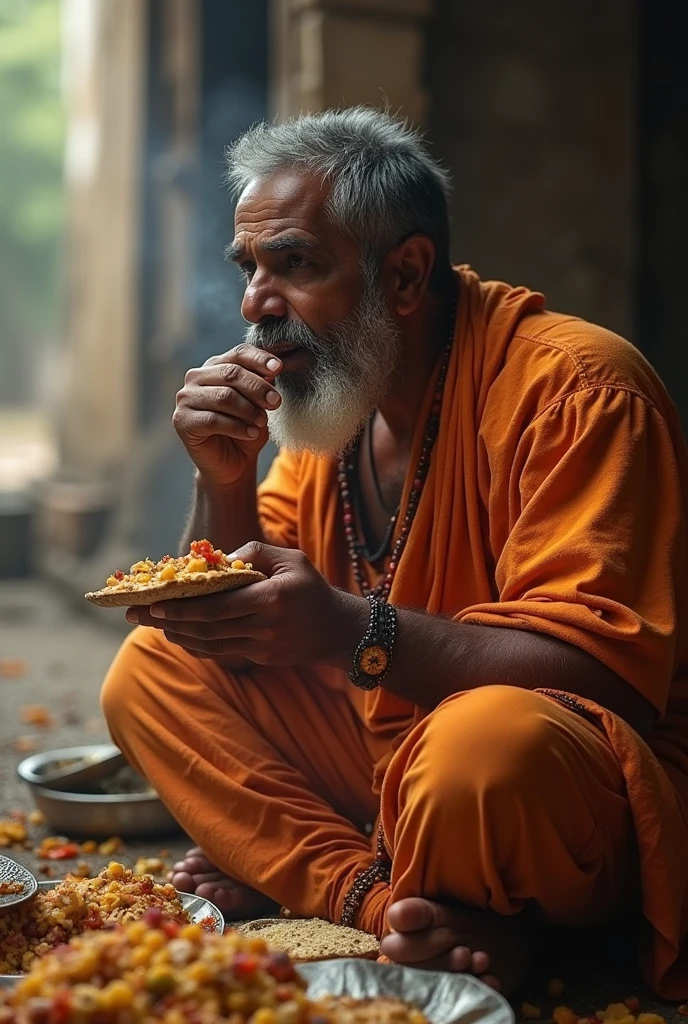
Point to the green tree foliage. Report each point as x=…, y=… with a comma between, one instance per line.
x=32, y=126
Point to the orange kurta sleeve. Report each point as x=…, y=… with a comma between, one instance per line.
x=278, y=498
x=588, y=500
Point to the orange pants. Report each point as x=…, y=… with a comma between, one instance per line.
x=500, y=797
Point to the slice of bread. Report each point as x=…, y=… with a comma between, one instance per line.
x=213, y=581
x=307, y=940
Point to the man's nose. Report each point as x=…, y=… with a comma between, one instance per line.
x=262, y=300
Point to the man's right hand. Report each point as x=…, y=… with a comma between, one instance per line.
x=221, y=413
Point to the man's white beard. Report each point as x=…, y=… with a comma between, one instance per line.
x=353, y=364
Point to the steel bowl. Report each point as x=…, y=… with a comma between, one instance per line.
x=197, y=908
x=78, y=775
x=96, y=815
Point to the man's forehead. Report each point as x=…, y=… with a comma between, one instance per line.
x=290, y=196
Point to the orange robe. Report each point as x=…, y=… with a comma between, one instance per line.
x=556, y=502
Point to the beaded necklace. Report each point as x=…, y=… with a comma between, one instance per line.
x=346, y=467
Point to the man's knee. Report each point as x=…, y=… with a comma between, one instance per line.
x=496, y=744
x=129, y=678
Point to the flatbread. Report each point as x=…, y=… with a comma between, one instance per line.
x=309, y=940
x=195, y=584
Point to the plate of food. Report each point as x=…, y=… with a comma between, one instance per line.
x=367, y=992
x=146, y=972
x=205, y=570
x=59, y=911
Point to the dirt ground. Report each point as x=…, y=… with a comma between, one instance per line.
x=66, y=651
x=64, y=655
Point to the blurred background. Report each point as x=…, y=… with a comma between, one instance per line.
x=565, y=126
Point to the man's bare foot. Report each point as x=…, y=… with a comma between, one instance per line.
x=436, y=936
x=196, y=874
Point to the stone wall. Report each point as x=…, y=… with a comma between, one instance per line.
x=331, y=53
x=533, y=110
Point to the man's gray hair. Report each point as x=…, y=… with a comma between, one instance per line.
x=385, y=185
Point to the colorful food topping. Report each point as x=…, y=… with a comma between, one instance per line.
x=202, y=557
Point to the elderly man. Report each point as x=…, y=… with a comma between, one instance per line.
x=474, y=633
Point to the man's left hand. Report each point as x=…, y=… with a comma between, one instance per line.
x=293, y=618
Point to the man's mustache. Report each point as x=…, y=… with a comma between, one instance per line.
x=282, y=333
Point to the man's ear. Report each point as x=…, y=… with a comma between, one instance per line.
x=407, y=269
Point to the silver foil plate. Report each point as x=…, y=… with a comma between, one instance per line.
x=12, y=872
x=197, y=909
x=444, y=998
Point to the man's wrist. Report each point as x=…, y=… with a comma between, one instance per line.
x=215, y=488
x=353, y=617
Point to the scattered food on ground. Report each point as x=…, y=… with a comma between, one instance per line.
x=12, y=833
x=530, y=1012
x=564, y=1015
x=110, y=846
x=149, y=866
x=13, y=668
x=37, y=715
x=626, y=1012
x=57, y=848
x=67, y=851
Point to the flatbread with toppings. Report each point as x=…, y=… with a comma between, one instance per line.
x=205, y=570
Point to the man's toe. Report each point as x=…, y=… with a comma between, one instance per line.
x=223, y=895
x=460, y=959
x=413, y=914
x=198, y=865
x=418, y=947
x=182, y=881
x=480, y=962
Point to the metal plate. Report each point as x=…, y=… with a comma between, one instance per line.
x=10, y=871
x=197, y=909
x=444, y=998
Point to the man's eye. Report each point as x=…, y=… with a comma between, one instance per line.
x=296, y=262
x=248, y=270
